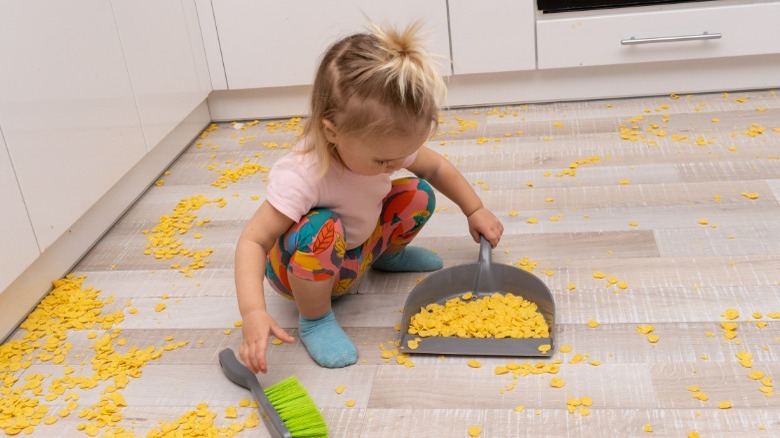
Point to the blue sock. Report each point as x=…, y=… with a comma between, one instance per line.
x=326, y=342
x=410, y=259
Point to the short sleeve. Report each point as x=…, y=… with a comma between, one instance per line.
x=290, y=187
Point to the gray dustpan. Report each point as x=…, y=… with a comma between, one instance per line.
x=481, y=278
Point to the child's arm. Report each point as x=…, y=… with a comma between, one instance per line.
x=257, y=238
x=443, y=175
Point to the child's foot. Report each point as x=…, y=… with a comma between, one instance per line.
x=326, y=342
x=410, y=259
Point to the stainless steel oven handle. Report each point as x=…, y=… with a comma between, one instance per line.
x=670, y=39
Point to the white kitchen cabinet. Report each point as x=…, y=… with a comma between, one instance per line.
x=492, y=36
x=19, y=248
x=66, y=108
x=165, y=60
x=277, y=44
x=667, y=33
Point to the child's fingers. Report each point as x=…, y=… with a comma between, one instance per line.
x=281, y=333
x=247, y=355
x=260, y=346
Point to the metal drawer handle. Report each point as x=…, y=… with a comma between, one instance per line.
x=670, y=39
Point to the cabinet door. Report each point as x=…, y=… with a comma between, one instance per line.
x=492, y=36
x=275, y=44
x=165, y=60
x=18, y=241
x=66, y=108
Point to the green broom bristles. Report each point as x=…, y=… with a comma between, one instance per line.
x=296, y=408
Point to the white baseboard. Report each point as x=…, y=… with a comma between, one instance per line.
x=582, y=83
x=34, y=283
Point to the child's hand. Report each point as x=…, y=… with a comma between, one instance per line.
x=256, y=328
x=483, y=222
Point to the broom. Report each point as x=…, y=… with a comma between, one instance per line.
x=285, y=407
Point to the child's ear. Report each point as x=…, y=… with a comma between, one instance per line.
x=330, y=131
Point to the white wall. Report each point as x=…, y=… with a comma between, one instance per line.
x=97, y=97
x=19, y=247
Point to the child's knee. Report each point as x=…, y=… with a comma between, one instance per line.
x=321, y=229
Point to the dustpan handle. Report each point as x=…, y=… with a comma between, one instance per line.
x=485, y=281
x=484, y=250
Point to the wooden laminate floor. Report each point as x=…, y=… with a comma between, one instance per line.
x=659, y=201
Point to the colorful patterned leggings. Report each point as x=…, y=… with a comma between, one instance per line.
x=315, y=249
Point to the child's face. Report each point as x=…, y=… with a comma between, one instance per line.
x=378, y=154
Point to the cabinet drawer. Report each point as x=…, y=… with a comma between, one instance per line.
x=585, y=39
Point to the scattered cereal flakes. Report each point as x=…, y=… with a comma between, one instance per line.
x=532, y=220
x=226, y=331
x=645, y=329
x=693, y=434
x=750, y=195
x=633, y=224
x=513, y=213
x=725, y=404
x=350, y=403
x=238, y=323
x=731, y=314
x=276, y=341
x=159, y=307
x=474, y=431
x=571, y=286
x=652, y=339
x=745, y=358
x=624, y=181
x=397, y=326
x=565, y=348
x=544, y=348
x=340, y=389
x=592, y=323
x=230, y=412
x=413, y=343
x=698, y=395
x=586, y=401
x=756, y=375
x=703, y=222
x=599, y=275
x=556, y=382
x=647, y=428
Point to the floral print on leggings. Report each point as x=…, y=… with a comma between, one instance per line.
x=315, y=248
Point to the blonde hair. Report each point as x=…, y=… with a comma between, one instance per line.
x=381, y=82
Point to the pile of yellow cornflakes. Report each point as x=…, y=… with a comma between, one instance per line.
x=494, y=316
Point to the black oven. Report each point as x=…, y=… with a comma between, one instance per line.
x=550, y=6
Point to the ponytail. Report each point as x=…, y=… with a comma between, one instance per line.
x=380, y=82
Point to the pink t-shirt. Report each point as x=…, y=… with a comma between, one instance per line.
x=294, y=189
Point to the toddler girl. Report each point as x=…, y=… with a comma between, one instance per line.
x=332, y=210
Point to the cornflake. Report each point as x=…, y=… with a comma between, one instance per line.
x=493, y=316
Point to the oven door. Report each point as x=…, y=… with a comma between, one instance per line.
x=549, y=6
